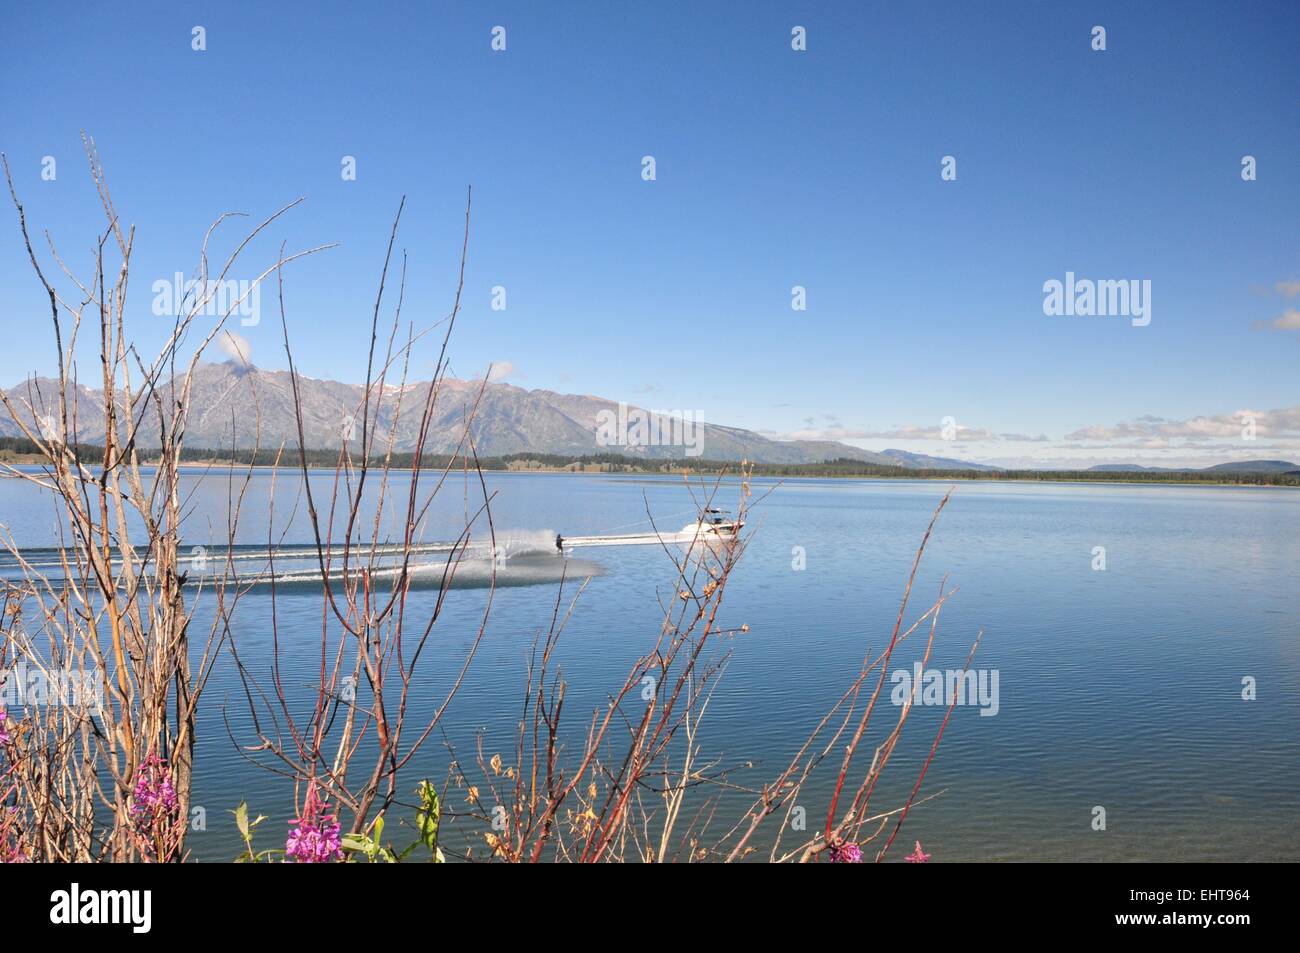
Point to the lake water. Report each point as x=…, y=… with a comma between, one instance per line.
x=1119, y=689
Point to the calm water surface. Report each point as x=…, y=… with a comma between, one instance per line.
x=1120, y=689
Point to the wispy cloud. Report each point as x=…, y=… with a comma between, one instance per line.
x=1024, y=438
x=236, y=347
x=1283, y=422
x=1288, y=320
x=910, y=432
x=500, y=370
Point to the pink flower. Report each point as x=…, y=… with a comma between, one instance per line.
x=4, y=731
x=847, y=853
x=315, y=835
x=917, y=856
x=154, y=797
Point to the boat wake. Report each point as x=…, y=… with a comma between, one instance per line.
x=519, y=557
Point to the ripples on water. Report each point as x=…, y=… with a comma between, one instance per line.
x=1119, y=689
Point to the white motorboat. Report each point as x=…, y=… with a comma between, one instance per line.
x=712, y=523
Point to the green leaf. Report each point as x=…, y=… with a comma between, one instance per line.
x=358, y=843
x=429, y=816
x=241, y=818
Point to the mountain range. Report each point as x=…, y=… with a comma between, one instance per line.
x=231, y=404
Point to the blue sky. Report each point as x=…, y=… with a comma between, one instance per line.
x=775, y=168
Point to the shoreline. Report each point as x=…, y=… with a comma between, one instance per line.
x=576, y=470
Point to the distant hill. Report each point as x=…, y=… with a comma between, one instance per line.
x=921, y=461
x=1241, y=466
x=1254, y=466
x=231, y=403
